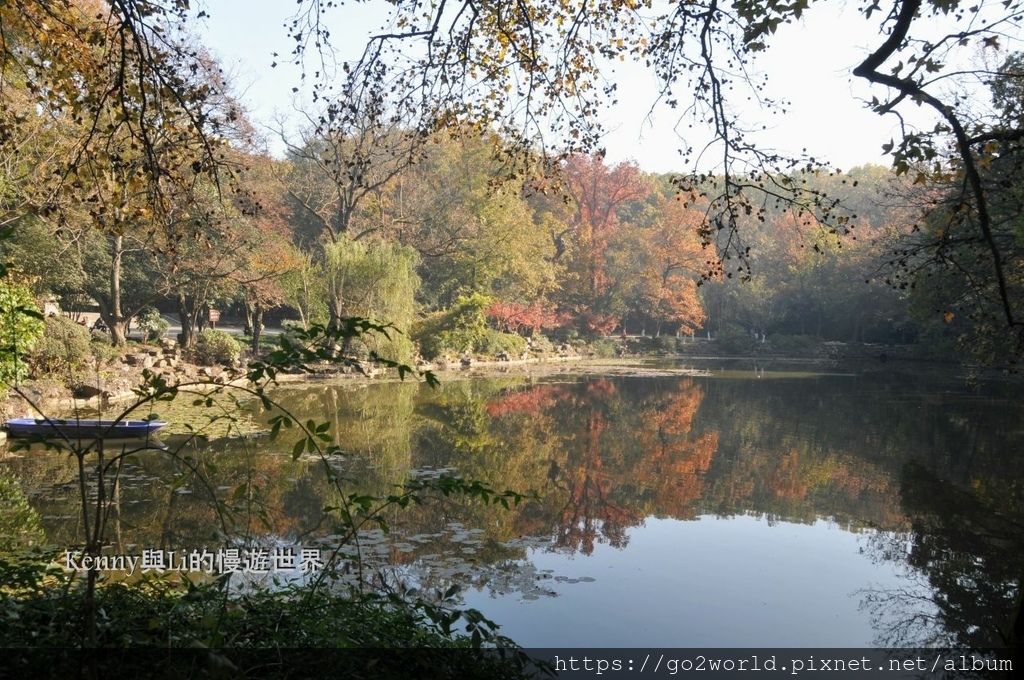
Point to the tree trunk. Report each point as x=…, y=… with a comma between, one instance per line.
x=249, y=315
x=112, y=313
x=257, y=326
x=186, y=314
x=336, y=306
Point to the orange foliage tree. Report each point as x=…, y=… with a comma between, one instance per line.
x=675, y=260
x=599, y=193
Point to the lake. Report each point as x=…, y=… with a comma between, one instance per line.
x=728, y=504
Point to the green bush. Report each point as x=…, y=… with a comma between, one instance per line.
x=801, y=345
x=567, y=334
x=358, y=348
x=103, y=349
x=665, y=343
x=283, y=629
x=604, y=348
x=152, y=325
x=648, y=344
x=426, y=333
x=541, y=345
x=495, y=342
x=462, y=328
x=735, y=340
x=21, y=324
x=64, y=346
x=216, y=347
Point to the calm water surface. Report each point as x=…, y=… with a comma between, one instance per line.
x=737, y=508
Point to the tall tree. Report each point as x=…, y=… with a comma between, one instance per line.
x=674, y=261
x=342, y=166
x=236, y=247
x=474, y=235
x=263, y=221
x=968, y=258
x=536, y=69
x=116, y=73
x=599, y=193
x=136, y=115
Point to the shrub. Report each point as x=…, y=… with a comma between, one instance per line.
x=735, y=339
x=462, y=328
x=426, y=333
x=358, y=348
x=801, y=345
x=567, y=334
x=496, y=342
x=216, y=347
x=64, y=346
x=102, y=347
x=604, y=348
x=541, y=345
x=665, y=343
x=152, y=325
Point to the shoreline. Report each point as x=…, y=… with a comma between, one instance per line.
x=119, y=383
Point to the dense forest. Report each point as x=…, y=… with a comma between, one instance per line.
x=437, y=234
x=435, y=238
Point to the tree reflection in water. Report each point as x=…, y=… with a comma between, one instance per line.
x=964, y=557
x=605, y=454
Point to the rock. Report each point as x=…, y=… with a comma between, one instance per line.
x=32, y=394
x=139, y=359
x=88, y=389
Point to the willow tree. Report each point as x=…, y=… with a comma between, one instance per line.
x=377, y=280
x=342, y=166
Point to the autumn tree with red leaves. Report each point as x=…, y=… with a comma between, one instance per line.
x=515, y=317
x=599, y=193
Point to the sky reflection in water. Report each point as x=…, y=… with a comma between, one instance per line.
x=715, y=582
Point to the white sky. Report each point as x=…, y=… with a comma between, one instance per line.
x=808, y=64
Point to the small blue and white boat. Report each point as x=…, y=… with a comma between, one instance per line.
x=83, y=428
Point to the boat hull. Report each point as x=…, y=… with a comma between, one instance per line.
x=83, y=428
